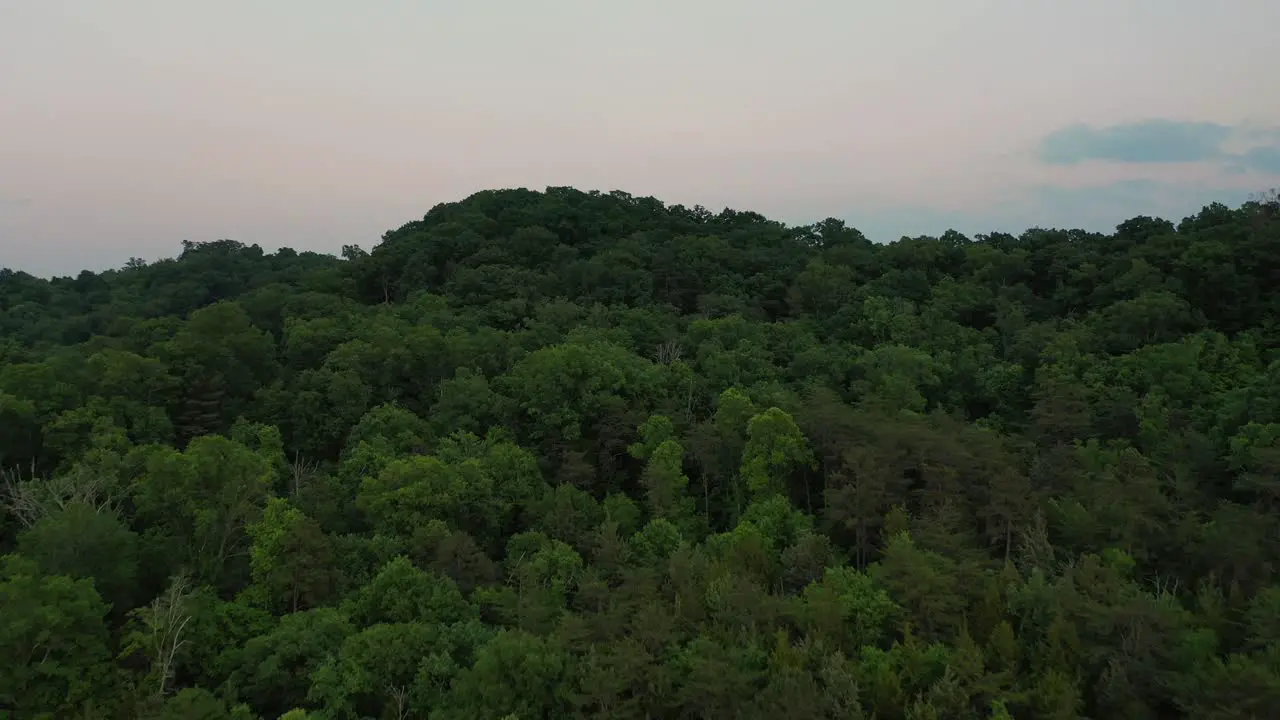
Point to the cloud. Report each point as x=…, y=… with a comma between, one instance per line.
x=1264, y=159
x=1233, y=148
x=1148, y=141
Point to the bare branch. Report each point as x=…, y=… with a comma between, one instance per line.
x=302, y=470
x=668, y=352
x=19, y=497
x=399, y=696
x=34, y=498
x=1035, y=550
x=1166, y=587
x=1266, y=197
x=1267, y=204
x=163, y=623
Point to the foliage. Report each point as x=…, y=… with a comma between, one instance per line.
x=569, y=454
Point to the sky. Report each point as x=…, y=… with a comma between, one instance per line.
x=131, y=125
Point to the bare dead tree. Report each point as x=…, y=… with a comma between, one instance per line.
x=1035, y=550
x=163, y=623
x=1267, y=198
x=17, y=498
x=399, y=696
x=82, y=485
x=1166, y=587
x=301, y=470
x=35, y=497
x=668, y=352
x=1266, y=205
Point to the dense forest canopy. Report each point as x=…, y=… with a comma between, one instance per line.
x=567, y=454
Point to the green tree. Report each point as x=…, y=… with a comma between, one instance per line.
x=275, y=670
x=289, y=559
x=204, y=499
x=81, y=541
x=57, y=661
x=775, y=447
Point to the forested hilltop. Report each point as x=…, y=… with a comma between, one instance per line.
x=568, y=454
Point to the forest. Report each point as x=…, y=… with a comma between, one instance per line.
x=571, y=454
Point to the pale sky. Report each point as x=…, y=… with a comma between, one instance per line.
x=127, y=126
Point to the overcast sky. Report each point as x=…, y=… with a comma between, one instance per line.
x=127, y=126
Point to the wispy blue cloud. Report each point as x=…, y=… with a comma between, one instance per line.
x=1149, y=141
x=1164, y=141
x=1265, y=159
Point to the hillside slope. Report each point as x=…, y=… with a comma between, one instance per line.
x=567, y=454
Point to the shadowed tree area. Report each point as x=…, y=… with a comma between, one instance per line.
x=565, y=454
